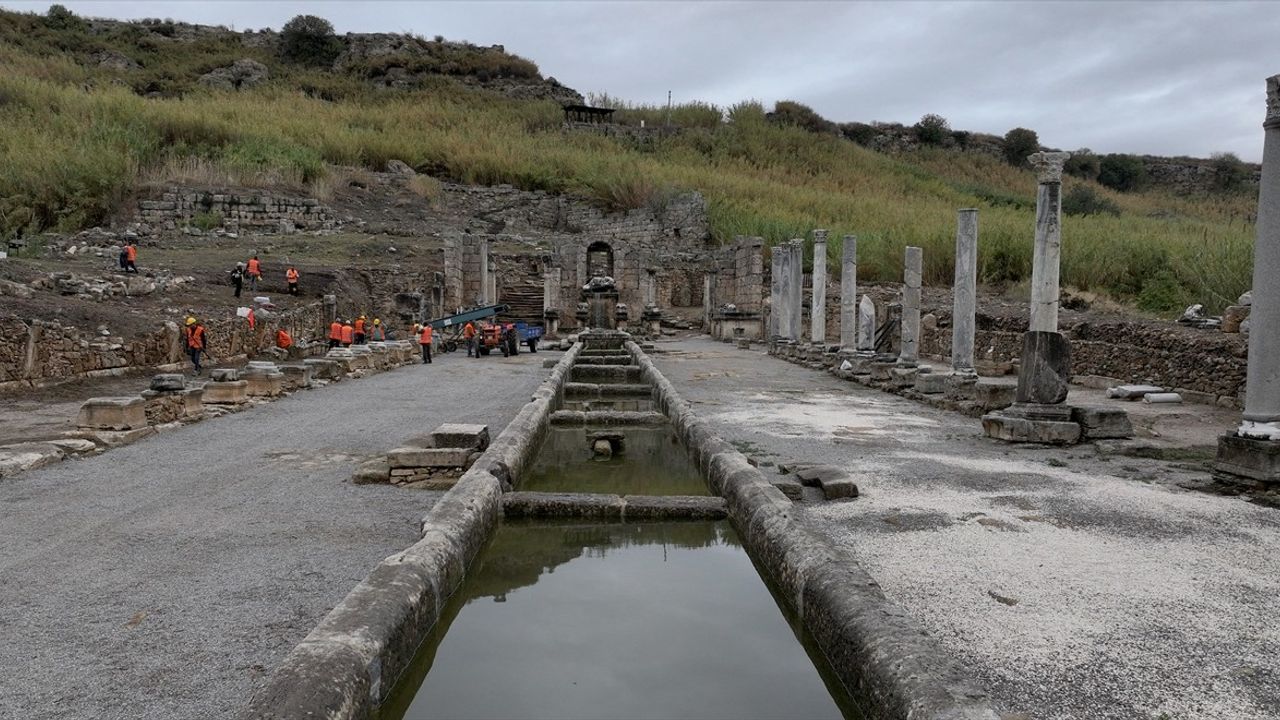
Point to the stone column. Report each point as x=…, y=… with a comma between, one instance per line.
x=485, y=298
x=779, y=256
x=964, y=293
x=708, y=299
x=795, y=289
x=551, y=300
x=1253, y=451
x=849, y=293
x=913, y=270
x=650, y=281
x=818, y=316
x=1047, y=254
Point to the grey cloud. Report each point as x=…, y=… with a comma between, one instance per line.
x=1176, y=78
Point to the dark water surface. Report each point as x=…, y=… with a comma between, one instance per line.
x=656, y=620
x=653, y=462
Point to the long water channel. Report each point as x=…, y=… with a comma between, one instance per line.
x=585, y=619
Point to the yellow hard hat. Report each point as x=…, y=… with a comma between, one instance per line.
x=191, y=320
x=376, y=321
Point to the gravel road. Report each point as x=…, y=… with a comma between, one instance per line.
x=167, y=578
x=1075, y=585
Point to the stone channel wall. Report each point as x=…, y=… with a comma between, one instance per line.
x=348, y=665
x=40, y=353
x=178, y=207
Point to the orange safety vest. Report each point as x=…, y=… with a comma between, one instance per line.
x=291, y=275
x=335, y=330
x=360, y=326
x=283, y=340
x=469, y=331
x=195, y=337
x=425, y=338
x=131, y=253
x=348, y=334
x=255, y=268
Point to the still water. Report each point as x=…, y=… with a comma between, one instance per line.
x=653, y=462
x=650, y=620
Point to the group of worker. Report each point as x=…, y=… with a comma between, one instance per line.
x=356, y=332
x=252, y=272
x=129, y=258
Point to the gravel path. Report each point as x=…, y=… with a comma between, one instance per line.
x=1075, y=585
x=167, y=578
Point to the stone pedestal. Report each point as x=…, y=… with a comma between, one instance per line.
x=1032, y=423
x=961, y=387
x=296, y=377
x=1249, y=458
x=226, y=393
x=112, y=413
x=1102, y=423
x=324, y=368
x=931, y=383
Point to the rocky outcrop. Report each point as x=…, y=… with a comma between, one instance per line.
x=241, y=74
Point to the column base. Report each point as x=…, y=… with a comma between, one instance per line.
x=1032, y=423
x=1243, y=457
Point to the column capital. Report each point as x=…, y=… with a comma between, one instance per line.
x=819, y=236
x=1273, y=102
x=1048, y=165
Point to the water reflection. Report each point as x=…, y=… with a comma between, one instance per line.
x=653, y=462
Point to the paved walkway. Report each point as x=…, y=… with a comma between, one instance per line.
x=1075, y=585
x=167, y=578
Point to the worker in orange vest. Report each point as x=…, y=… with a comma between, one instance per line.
x=193, y=333
x=130, y=258
x=425, y=341
x=291, y=276
x=359, y=328
x=335, y=334
x=254, y=271
x=283, y=341
x=469, y=335
x=377, y=333
x=348, y=335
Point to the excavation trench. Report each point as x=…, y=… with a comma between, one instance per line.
x=616, y=562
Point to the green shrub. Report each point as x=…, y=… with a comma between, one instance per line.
x=1083, y=164
x=932, y=129
x=59, y=17
x=1018, y=144
x=1163, y=293
x=206, y=221
x=309, y=40
x=1124, y=173
x=1230, y=174
x=790, y=112
x=861, y=133
x=1083, y=200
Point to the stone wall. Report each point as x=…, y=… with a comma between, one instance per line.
x=178, y=208
x=39, y=352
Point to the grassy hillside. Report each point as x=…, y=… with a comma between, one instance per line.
x=79, y=139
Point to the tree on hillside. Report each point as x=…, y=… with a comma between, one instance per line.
x=1122, y=172
x=1229, y=172
x=1083, y=164
x=1018, y=144
x=932, y=129
x=60, y=18
x=790, y=112
x=309, y=40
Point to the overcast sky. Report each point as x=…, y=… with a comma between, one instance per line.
x=1181, y=78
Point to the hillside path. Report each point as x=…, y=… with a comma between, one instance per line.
x=166, y=579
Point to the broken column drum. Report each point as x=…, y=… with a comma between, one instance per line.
x=866, y=326
x=965, y=293
x=1046, y=257
x=818, y=314
x=1253, y=451
x=708, y=299
x=849, y=293
x=913, y=269
x=788, y=278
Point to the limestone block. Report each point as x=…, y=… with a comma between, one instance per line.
x=1246, y=457
x=994, y=396
x=1011, y=428
x=931, y=383
x=113, y=413
x=1102, y=422
x=835, y=482
x=457, y=435
x=224, y=375
x=264, y=385
x=962, y=387
x=789, y=487
x=296, y=376
x=324, y=368
x=168, y=382
x=193, y=402
x=428, y=457
x=1132, y=392
x=233, y=392
x=27, y=456
x=376, y=470
x=1233, y=316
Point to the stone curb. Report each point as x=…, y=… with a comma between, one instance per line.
x=884, y=658
x=622, y=508
x=348, y=664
